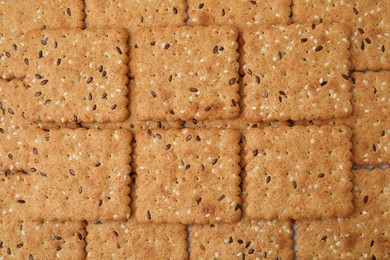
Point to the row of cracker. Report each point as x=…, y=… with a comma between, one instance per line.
x=70, y=75
x=181, y=76
x=365, y=234
x=183, y=175
x=368, y=19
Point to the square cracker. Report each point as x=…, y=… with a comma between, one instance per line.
x=243, y=240
x=77, y=75
x=20, y=16
x=42, y=240
x=316, y=86
x=364, y=235
x=186, y=72
x=131, y=240
x=242, y=14
x=188, y=176
x=133, y=14
x=369, y=21
x=64, y=171
x=299, y=172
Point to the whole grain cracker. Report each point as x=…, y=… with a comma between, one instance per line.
x=243, y=240
x=369, y=21
x=42, y=240
x=66, y=175
x=243, y=14
x=133, y=14
x=188, y=176
x=77, y=76
x=20, y=16
x=299, y=172
x=184, y=73
x=316, y=86
x=364, y=235
x=132, y=240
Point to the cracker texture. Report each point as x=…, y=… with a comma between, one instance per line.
x=241, y=14
x=132, y=123
x=134, y=14
x=66, y=175
x=299, y=172
x=369, y=22
x=364, y=235
x=184, y=73
x=370, y=120
x=188, y=176
x=131, y=240
x=20, y=16
x=243, y=240
x=316, y=86
x=76, y=76
x=42, y=240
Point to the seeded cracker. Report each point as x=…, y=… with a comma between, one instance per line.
x=20, y=16
x=364, y=235
x=77, y=76
x=369, y=21
x=276, y=90
x=42, y=240
x=133, y=14
x=67, y=175
x=136, y=241
x=188, y=176
x=242, y=14
x=184, y=73
x=299, y=172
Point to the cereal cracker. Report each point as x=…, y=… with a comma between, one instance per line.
x=188, y=176
x=296, y=72
x=66, y=175
x=299, y=172
x=184, y=73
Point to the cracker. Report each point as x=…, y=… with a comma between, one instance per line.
x=132, y=123
x=299, y=172
x=130, y=240
x=20, y=16
x=364, y=235
x=241, y=14
x=188, y=176
x=66, y=175
x=369, y=21
x=243, y=240
x=133, y=14
x=42, y=240
x=370, y=120
x=77, y=76
x=276, y=90
x=184, y=73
